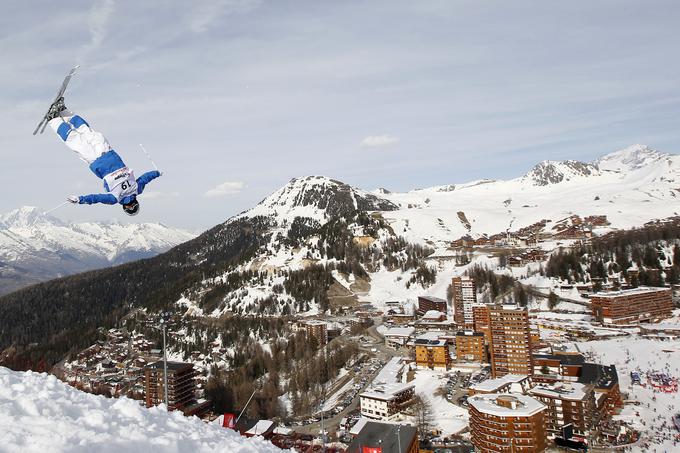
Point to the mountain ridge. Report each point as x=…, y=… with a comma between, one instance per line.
x=284, y=254
x=36, y=247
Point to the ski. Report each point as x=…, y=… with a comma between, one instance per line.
x=60, y=93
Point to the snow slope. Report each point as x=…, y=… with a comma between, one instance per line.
x=38, y=413
x=35, y=247
x=318, y=198
x=630, y=187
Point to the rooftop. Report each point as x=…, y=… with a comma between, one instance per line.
x=601, y=376
x=627, y=292
x=386, y=392
x=565, y=359
x=433, y=314
x=172, y=366
x=391, y=371
x=384, y=435
x=399, y=332
x=433, y=299
x=507, y=307
x=431, y=335
x=573, y=391
x=469, y=333
x=506, y=405
x=490, y=385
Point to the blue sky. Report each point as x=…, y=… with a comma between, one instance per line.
x=233, y=98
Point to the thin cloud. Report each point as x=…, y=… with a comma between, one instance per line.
x=207, y=12
x=98, y=23
x=376, y=141
x=226, y=188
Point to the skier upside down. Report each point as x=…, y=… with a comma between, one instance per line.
x=93, y=148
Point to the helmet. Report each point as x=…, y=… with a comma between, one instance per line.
x=131, y=208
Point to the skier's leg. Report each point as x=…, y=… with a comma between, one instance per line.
x=77, y=134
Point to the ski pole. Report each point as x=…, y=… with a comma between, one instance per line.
x=148, y=156
x=55, y=208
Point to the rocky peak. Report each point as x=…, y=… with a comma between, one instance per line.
x=554, y=172
x=631, y=158
x=320, y=198
x=24, y=217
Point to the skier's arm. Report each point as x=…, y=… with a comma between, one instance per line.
x=105, y=198
x=145, y=179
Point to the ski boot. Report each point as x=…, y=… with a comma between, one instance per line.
x=56, y=109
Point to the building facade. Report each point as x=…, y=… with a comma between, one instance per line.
x=470, y=347
x=567, y=403
x=507, y=423
x=181, y=387
x=318, y=330
x=433, y=354
x=572, y=368
x=632, y=306
x=387, y=402
x=510, y=340
x=464, y=298
x=427, y=303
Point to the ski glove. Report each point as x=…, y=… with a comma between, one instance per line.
x=73, y=199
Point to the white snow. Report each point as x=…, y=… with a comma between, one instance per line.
x=655, y=408
x=25, y=232
x=617, y=186
x=39, y=413
x=448, y=417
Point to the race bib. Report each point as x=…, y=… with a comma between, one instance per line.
x=121, y=183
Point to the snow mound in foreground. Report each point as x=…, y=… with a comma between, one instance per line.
x=39, y=413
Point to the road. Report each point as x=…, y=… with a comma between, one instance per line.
x=536, y=293
x=378, y=350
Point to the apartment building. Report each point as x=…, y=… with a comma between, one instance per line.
x=464, y=298
x=470, y=347
x=181, y=387
x=507, y=423
x=433, y=354
x=387, y=402
x=510, y=340
x=427, y=303
x=567, y=403
x=632, y=306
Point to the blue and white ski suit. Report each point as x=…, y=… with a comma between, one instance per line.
x=92, y=147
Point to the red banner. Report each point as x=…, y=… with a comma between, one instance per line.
x=371, y=450
x=229, y=421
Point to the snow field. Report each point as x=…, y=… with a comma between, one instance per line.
x=655, y=408
x=39, y=413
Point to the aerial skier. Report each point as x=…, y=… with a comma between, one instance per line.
x=93, y=148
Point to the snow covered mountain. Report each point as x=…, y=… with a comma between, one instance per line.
x=35, y=247
x=318, y=198
x=40, y=413
x=631, y=186
x=309, y=246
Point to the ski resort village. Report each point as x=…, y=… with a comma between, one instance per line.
x=332, y=319
x=256, y=226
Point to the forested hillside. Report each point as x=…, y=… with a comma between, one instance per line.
x=650, y=253
x=40, y=324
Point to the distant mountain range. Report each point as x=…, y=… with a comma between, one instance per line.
x=35, y=247
x=631, y=187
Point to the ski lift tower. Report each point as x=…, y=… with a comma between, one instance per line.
x=165, y=318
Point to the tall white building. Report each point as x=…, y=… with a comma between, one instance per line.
x=464, y=297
